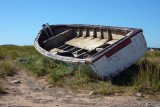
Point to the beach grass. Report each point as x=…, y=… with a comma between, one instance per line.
x=143, y=76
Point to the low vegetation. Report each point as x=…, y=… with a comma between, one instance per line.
x=148, y=77
x=144, y=76
x=6, y=69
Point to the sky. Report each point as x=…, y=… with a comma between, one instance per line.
x=21, y=20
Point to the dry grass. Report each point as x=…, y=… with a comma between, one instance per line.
x=6, y=69
x=143, y=76
x=148, y=78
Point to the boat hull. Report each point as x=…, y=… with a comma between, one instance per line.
x=111, y=60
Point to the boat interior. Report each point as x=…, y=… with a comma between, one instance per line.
x=78, y=41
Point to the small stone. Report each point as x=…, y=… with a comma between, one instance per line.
x=117, y=94
x=68, y=96
x=36, y=88
x=49, y=86
x=149, y=105
x=91, y=93
x=15, y=82
x=139, y=95
x=138, y=98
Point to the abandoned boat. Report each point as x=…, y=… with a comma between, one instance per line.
x=106, y=50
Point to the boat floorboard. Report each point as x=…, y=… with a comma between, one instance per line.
x=88, y=43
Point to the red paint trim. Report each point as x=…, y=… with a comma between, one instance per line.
x=115, y=49
x=118, y=47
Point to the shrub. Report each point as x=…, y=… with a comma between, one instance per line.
x=2, y=55
x=148, y=78
x=6, y=69
x=152, y=54
x=59, y=71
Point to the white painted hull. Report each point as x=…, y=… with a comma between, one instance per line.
x=120, y=47
x=111, y=66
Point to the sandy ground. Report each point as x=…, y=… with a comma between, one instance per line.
x=32, y=92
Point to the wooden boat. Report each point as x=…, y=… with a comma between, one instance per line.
x=106, y=50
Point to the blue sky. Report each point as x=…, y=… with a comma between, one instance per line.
x=21, y=20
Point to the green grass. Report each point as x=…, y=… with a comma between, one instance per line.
x=140, y=77
x=82, y=80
